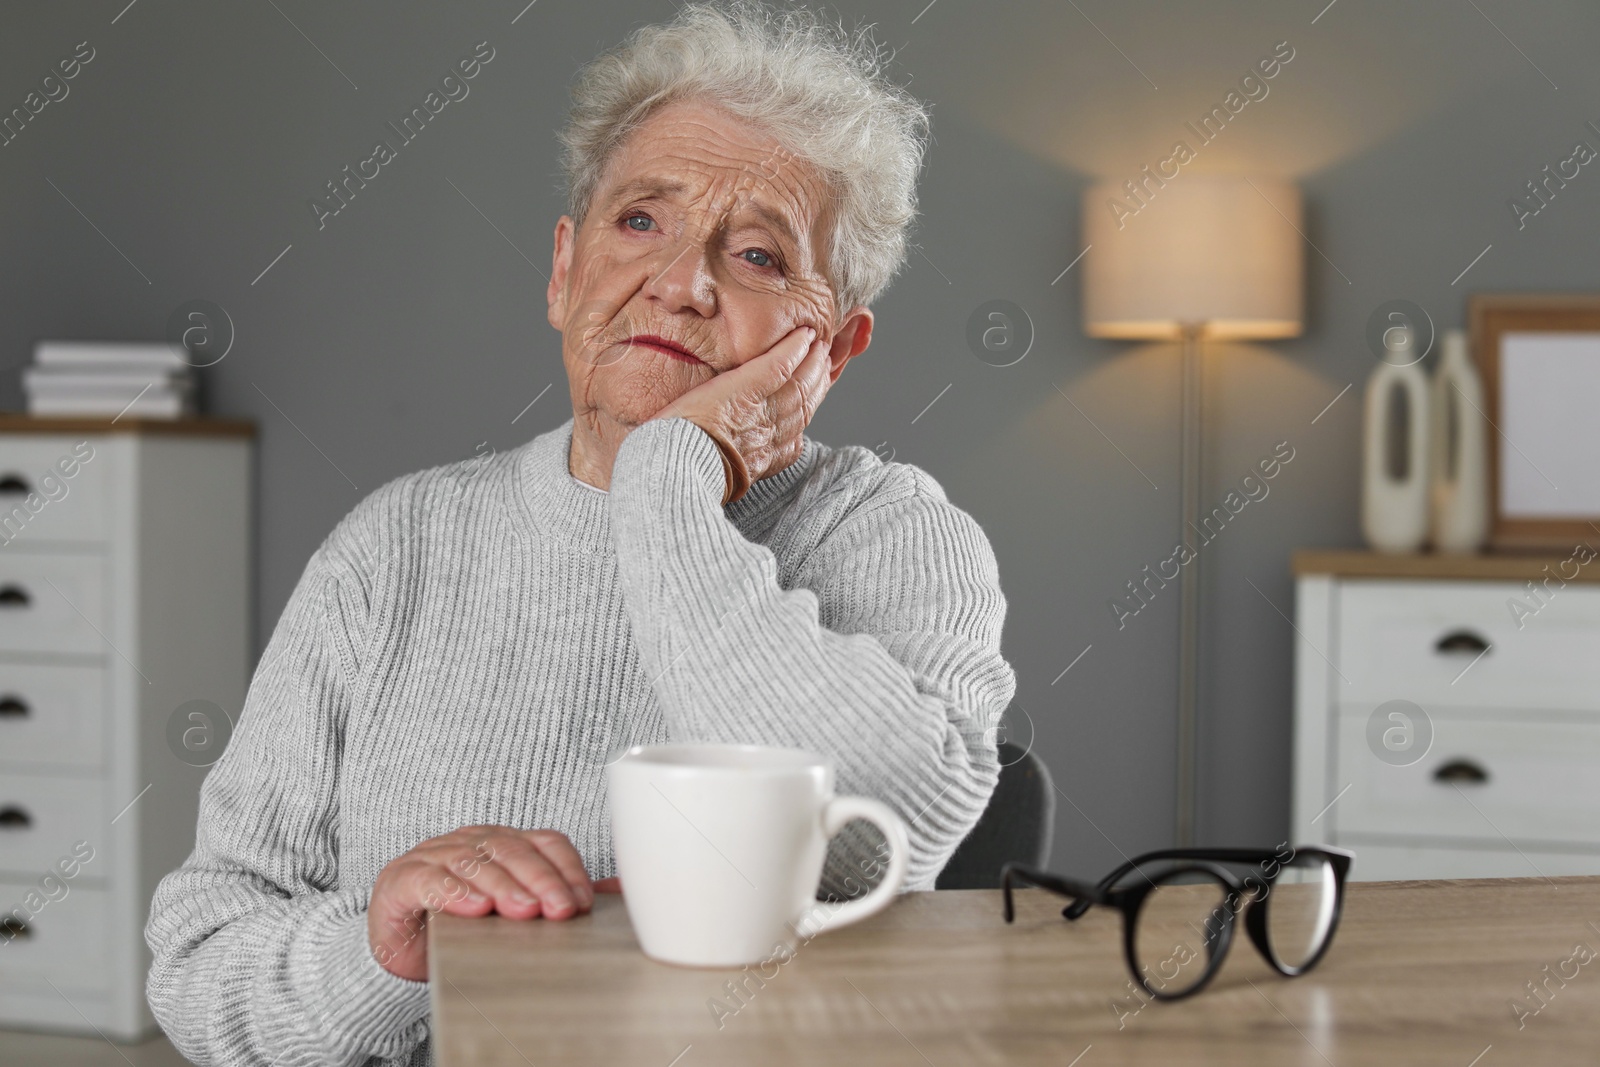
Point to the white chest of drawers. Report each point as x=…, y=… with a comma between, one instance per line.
x=124, y=594
x=1440, y=732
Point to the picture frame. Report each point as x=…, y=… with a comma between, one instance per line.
x=1539, y=355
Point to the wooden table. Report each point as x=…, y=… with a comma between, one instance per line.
x=1420, y=973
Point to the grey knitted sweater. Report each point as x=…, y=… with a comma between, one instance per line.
x=472, y=642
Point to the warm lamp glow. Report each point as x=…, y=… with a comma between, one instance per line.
x=1222, y=255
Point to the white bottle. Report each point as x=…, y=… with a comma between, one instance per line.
x=1394, y=461
x=1460, y=479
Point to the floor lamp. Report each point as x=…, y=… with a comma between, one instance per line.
x=1192, y=258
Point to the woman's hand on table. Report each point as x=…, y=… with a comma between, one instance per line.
x=521, y=874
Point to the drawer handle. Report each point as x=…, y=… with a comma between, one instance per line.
x=1461, y=772
x=14, y=485
x=14, y=818
x=1461, y=641
x=14, y=596
x=13, y=707
x=15, y=929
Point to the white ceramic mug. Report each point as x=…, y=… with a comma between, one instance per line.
x=720, y=849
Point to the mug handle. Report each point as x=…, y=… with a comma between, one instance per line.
x=841, y=810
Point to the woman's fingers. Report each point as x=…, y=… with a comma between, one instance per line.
x=471, y=872
x=426, y=884
x=814, y=378
x=515, y=867
x=791, y=406
x=511, y=894
x=525, y=885
x=752, y=386
x=753, y=380
x=784, y=359
x=810, y=381
x=762, y=407
x=559, y=852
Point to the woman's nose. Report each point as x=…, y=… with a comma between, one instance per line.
x=681, y=276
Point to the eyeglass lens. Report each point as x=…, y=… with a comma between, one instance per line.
x=1300, y=910
x=1178, y=926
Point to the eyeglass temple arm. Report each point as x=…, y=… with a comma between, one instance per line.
x=1075, y=910
x=1083, y=893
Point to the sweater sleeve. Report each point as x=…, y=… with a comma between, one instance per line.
x=260, y=954
x=884, y=653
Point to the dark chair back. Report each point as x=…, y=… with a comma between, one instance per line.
x=1017, y=825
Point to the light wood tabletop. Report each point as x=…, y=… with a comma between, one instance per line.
x=1419, y=973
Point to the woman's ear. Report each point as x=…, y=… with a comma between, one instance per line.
x=849, y=341
x=560, y=264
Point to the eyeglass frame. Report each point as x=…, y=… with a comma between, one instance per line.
x=1240, y=897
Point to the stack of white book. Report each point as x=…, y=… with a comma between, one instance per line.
x=139, y=379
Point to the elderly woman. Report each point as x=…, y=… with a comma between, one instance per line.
x=430, y=723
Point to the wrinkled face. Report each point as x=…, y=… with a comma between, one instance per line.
x=703, y=247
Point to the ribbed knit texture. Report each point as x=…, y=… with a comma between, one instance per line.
x=472, y=642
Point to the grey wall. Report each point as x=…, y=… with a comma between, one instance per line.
x=412, y=327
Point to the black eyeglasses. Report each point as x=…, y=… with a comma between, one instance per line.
x=1178, y=907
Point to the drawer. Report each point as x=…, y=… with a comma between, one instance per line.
x=1541, y=784
x=1418, y=641
x=65, y=508
x=52, y=716
x=1390, y=862
x=66, y=940
x=52, y=603
x=42, y=816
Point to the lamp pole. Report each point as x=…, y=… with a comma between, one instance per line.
x=1189, y=591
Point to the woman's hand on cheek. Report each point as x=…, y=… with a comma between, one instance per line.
x=758, y=412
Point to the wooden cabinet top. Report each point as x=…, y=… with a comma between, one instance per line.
x=1579, y=566
x=18, y=422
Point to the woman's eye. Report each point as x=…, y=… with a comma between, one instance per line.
x=646, y=219
x=761, y=258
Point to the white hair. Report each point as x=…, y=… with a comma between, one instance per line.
x=819, y=91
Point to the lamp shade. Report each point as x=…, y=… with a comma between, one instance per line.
x=1221, y=255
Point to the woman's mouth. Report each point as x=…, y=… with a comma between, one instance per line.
x=664, y=346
